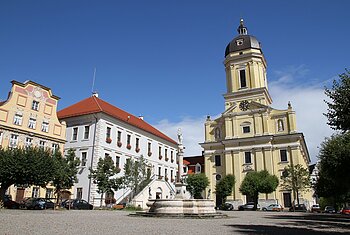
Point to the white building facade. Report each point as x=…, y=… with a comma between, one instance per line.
x=96, y=129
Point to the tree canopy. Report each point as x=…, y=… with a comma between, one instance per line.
x=297, y=179
x=334, y=168
x=25, y=166
x=258, y=182
x=196, y=184
x=66, y=169
x=136, y=176
x=225, y=186
x=104, y=176
x=338, y=112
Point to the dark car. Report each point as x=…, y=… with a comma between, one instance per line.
x=39, y=204
x=226, y=206
x=9, y=204
x=248, y=207
x=78, y=204
x=298, y=208
x=329, y=209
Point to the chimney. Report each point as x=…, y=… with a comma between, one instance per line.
x=95, y=93
x=141, y=117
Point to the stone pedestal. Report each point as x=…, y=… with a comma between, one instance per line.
x=180, y=189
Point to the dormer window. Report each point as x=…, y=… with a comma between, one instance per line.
x=239, y=42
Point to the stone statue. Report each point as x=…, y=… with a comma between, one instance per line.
x=179, y=136
x=209, y=191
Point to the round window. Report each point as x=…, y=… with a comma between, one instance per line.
x=218, y=177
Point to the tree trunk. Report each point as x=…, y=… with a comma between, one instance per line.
x=101, y=199
x=298, y=197
x=3, y=189
x=256, y=198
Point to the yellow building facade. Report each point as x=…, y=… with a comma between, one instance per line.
x=250, y=135
x=28, y=118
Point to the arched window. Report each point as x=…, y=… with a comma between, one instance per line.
x=198, y=168
x=280, y=126
x=217, y=133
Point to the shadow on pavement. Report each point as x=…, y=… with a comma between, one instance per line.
x=269, y=229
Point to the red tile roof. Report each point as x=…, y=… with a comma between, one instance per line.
x=94, y=104
x=186, y=162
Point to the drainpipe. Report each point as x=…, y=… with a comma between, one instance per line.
x=92, y=156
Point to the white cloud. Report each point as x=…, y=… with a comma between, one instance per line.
x=306, y=99
x=192, y=130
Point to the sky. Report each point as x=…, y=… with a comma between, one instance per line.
x=164, y=59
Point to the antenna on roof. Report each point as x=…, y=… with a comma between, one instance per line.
x=94, y=93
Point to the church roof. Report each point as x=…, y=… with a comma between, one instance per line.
x=242, y=41
x=94, y=104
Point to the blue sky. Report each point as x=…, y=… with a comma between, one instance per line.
x=163, y=59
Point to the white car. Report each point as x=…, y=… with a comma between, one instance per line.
x=273, y=207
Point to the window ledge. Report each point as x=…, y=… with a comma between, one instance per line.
x=283, y=162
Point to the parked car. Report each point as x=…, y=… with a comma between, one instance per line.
x=22, y=203
x=298, y=208
x=78, y=204
x=329, y=209
x=248, y=206
x=9, y=204
x=273, y=207
x=315, y=208
x=65, y=202
x=226, y=206
x=39, y=204
x=346, y=210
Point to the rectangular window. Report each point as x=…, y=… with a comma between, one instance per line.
x=160, y=151
x=242, y=78
x=117, y=161
x=119, y=137
x=283, y=153
x=83, y=158
x=165, y=173
x=166, y=153
x=75, y=133
x=18, y=119
x=55, y=147
x=128, y=140
x=29, y=142
x=217, y=160
x=149, y=147
x=48, y=193
x=13, y=140
x=247, y=157
x=137, y=143
x=246, y=129
x=79, y=193
x=86, y=132
x=42, y=144
x=45, y=127
x=35, y=192
x=108, y=132
x=35, y=105
x=32, y=123
x=159, y=171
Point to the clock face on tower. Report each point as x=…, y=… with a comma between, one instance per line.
x=244, y=105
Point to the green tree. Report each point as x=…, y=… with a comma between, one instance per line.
x=196, y=184
x=297, y=179
x=25, y=166
x=258, y=182
x=136, y=175
x=334, y=168
x=66, y=169
x=225, y=187
x=105, y=176
x=338, y=112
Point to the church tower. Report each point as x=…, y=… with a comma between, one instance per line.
x=250, y=135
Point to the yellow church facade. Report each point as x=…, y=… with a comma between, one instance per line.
x=250, y=135
x=28, y=118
